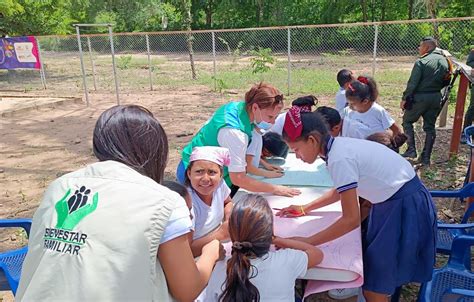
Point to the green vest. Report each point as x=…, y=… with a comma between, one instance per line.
x=231, y=115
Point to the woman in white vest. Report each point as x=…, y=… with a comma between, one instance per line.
x=110, y=231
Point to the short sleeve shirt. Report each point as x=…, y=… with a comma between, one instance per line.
x=208, y=218
x=376, y=119
x=255, y=148
x=375, y=170
x=236, y=141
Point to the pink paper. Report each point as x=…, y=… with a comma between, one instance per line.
x=342, y=255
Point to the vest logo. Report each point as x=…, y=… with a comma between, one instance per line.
x=70, y=211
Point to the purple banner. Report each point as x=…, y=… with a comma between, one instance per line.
x=19, y=52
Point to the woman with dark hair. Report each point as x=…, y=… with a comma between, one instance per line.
x=401, y=227
x=231, y=127
x=111, y=231
x=254, y=272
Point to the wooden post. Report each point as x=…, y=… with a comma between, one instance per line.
x=458, y=115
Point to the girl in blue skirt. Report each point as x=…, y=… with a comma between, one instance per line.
x=399, y=243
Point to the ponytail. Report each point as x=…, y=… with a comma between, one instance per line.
x=238, y=285
x=251, y=231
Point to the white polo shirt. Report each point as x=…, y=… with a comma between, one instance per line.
x=279, y=123
x=376, y=119
x=375, y=170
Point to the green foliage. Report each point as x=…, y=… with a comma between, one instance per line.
x=236, y=53
x=123, y=62
x=219, y=84
x=262, y=60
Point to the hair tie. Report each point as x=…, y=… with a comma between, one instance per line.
x=293, y=125
x=363, y=79
x=236, y=245
x=351, y=88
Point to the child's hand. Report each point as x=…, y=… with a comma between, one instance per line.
x=273, y=174
x=285, y=191
x=274, y=168
x=292, y=211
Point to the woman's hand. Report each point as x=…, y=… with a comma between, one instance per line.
x=285, y=191
x=292, y=211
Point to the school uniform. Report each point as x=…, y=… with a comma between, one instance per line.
x=341, y=101
x=274, y=276
x=376, y=119
x=207, y=218
x=399, y=244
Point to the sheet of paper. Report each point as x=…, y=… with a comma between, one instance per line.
x=298, y=173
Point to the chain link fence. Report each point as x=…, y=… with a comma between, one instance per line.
x=298, y=60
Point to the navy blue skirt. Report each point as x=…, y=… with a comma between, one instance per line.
x=399, y=245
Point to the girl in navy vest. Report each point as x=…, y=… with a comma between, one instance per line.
x=399, y=244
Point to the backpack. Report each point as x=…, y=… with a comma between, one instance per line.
x=449, y=74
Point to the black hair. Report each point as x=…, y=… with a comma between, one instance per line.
x=130, y=134
x=362, y=91
x=275, y=144
x=387, y=139
x=331, y=115
x=176, y=187
x=344, y=76
x=308, y=100
x=314, y=124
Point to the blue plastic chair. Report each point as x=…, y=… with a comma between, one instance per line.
x=447, y=232
x=454, y=281
x=12, y=261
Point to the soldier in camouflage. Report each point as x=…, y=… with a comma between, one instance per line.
x=422, y=97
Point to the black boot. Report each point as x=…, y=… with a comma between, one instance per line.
x=427, y=149
x=411, y=150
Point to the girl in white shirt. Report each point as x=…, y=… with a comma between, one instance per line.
x=254, y=272
x=361, y=96
x=399, y=243
x=210, y=195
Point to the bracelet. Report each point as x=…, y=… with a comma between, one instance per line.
x=302, y=210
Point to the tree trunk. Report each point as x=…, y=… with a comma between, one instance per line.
x=410, y=9
x=382, y=17
x=209, y=9
x=363, y=3
x=189, y=35
x=431, y=7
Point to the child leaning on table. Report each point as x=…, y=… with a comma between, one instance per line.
x=254, y=272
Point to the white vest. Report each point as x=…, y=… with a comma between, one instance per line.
x=95, y=237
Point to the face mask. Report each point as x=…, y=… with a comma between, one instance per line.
x=262, y=125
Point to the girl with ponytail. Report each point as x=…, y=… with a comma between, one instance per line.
x=254, y=272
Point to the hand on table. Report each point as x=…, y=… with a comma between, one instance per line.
x=271, y=167
x=286, y=191
x=292, y=211
x=273, y=174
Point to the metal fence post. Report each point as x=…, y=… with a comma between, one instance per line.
x=374, y=58
x=42, y=73
x=289, y=61
x=113, y=64
x=214, y=59
x=92, y=62
x=149, y=61
x=84, y=80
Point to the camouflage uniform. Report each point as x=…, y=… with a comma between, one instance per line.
x=469, y=117
x=424, y=86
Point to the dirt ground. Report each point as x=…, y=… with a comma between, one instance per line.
x=39, y=145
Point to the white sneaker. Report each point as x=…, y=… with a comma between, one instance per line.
x=343, y=293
